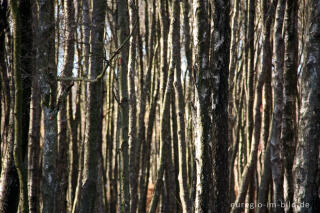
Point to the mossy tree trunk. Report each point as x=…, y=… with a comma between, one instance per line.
x=18, y=100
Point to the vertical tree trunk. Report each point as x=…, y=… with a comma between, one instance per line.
x=64, y=140
x=34, y=171
x=250, y=70
x=251, y=76
x=250, y=168
x=47, y=73
x=306, y=163
x=180, y=106
x=145, y=95
x=272, y=151
x=93, y=140
x=146, y=150
x=9, y=178
x=9, y=181
x=203, y=99
x=123, y=19
x=165, y=149
x=220, y=68
x=27, y=59
x=18, y=113
x=164, y=28
x=133, y=142
x=34, y=149
x=276, y=162
x=289, y=135
x=165, y=140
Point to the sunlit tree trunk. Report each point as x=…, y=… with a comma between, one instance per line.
x=273, y=148
x=166, y=156
x=180, y=107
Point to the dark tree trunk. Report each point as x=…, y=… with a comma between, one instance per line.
x=220, y=68
x=93, y=140
x=289, y=125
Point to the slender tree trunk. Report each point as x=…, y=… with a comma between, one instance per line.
x=9, y=178
x=306, y=164
x=133, y=142
x=34, y=171
x=165, y=135
x=180, y=106
x=34, y=149
x=220, y=67
x=27, y=62
x=123, y=19
x=145, y=161
x=272, y=149
x=289, y=126
x=62, y=161
x=47, y=72
x=203, y=99
x=164, y=29
x=18, y=112
x=145, y=95
x=250, y=168
x=94, y=128
x=250, y=70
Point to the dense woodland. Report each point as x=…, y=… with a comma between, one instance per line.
x=160, y=106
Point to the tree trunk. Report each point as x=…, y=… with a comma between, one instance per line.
x=34, y=149
x=34, y=171
x=27, y=63
x=165, y=135
x=272, y=150
x=133, y=142
x=93, y=140
x=123, y=32
x=306, y=163
x=9, y=178
x=62, y=161
x=18, y=112
x=289, y=126
x=47, y=73
x=180, y=106
x=220, y=69
x=203, y=99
